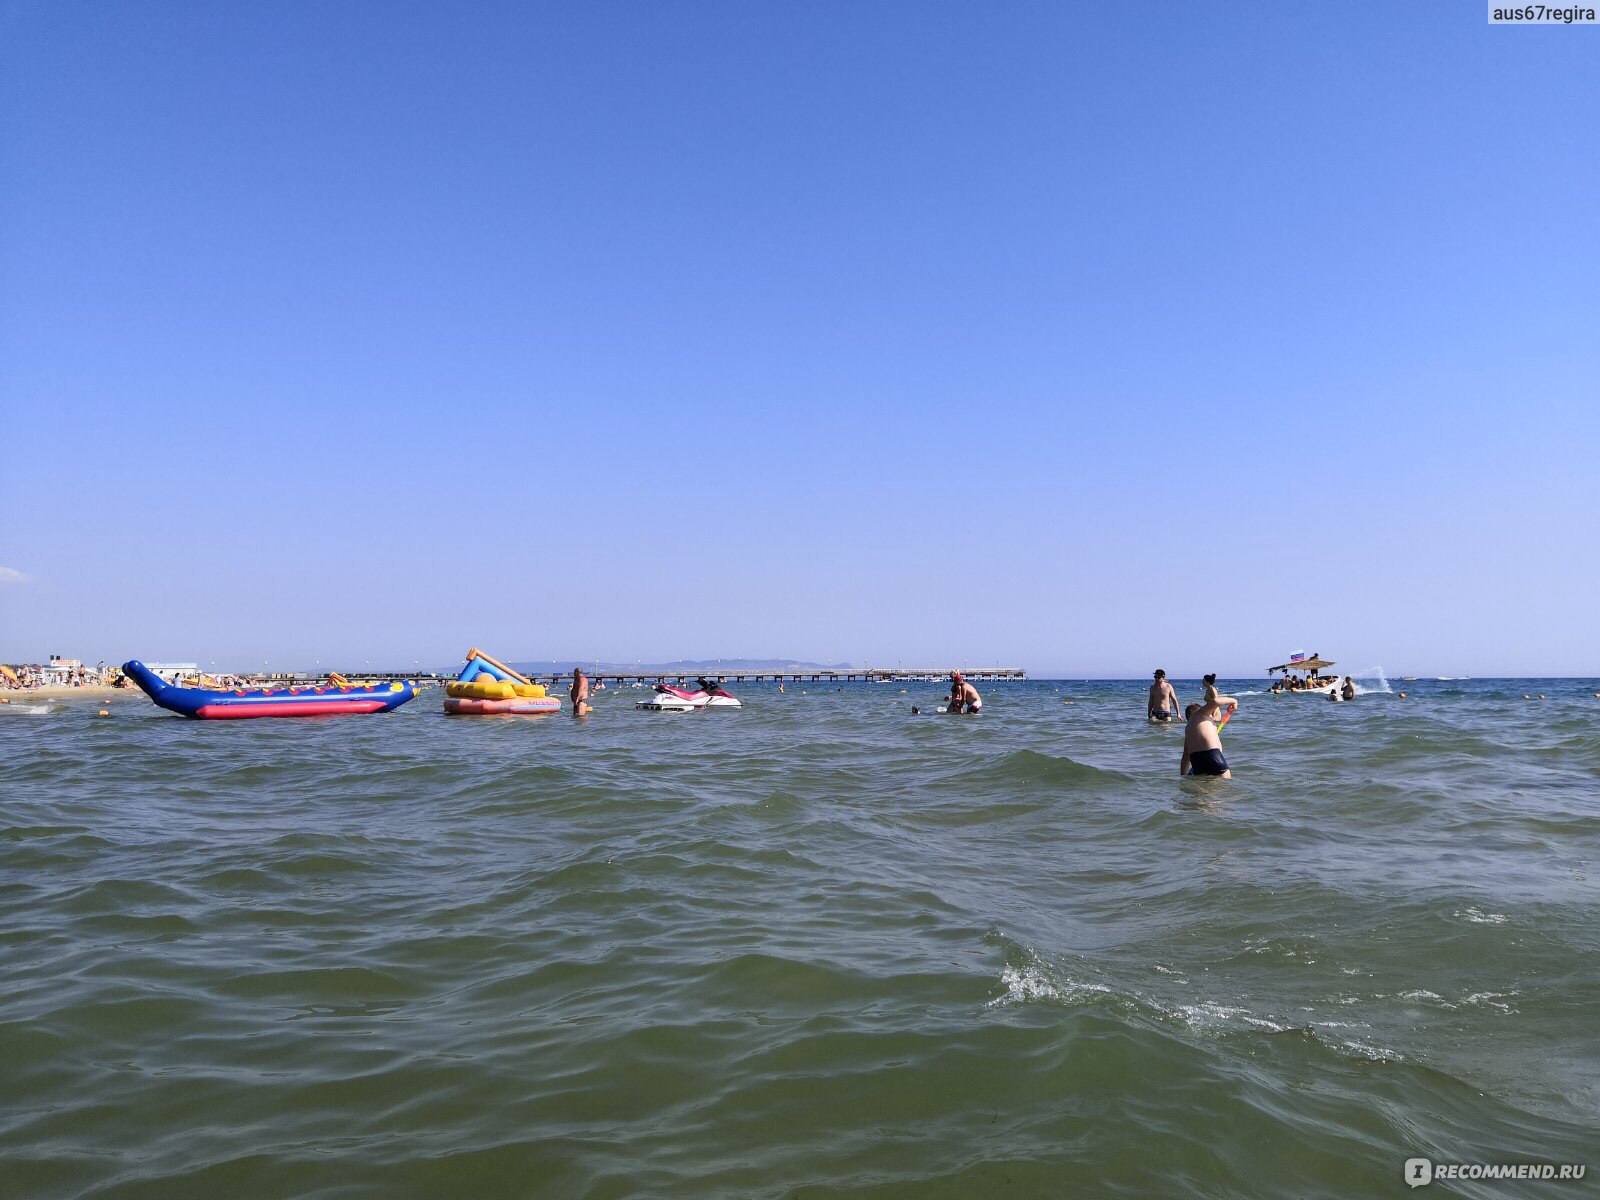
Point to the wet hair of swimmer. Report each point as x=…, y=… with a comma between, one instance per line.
x=1210, y=679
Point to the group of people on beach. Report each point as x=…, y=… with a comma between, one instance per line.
x=27, y=677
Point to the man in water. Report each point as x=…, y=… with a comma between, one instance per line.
x=964, y=697
x=579, y=693
x=1202, y=745
x=1348, y=692
x=1163, y=704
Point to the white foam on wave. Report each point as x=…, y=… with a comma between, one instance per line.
x=24, y=710
x=1279, y=947
x=1368, y=1050
x=1476, y=1000
x=1211, y=1015
x=1224, y=1016
x=1023, y=984
x=1032, y=983
x=1478, y=917
x=1035, y=982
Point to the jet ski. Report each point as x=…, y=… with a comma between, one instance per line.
x=716, y=697
x=667, y=698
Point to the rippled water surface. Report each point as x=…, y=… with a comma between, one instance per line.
x=819, y=947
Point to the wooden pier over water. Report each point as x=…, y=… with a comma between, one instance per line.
x=812, y=675
x=808, y=675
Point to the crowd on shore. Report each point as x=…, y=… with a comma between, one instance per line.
x=58, y=673
x=69, y=673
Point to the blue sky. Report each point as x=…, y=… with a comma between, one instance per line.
x=1086, y=338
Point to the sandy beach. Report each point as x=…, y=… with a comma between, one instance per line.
x=95, y=691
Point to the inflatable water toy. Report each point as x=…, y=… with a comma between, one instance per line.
x=212, y=704
x=487, y=687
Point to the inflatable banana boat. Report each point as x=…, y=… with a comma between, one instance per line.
x=489, y=688
x=215, y=705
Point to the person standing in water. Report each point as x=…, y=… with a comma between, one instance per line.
x=1349, y=689
x=1163, y=705
x=1202, y=744
x=579, y=693
x=964, y=697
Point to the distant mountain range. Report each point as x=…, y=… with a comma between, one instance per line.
x=684, y=666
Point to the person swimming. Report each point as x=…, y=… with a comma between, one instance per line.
x=1202, y=746
x=1163, y=705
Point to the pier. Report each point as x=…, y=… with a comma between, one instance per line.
x=812, y=675
x=809, y=675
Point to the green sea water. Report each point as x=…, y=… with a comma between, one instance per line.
x=819, y=947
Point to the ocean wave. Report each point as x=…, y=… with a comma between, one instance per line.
x=1038, y=768
x=1033, y=980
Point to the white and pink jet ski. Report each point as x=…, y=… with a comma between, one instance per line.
x=667, y=698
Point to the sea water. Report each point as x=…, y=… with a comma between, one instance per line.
x=818, y=947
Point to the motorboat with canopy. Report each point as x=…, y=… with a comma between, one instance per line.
x=1309, y=678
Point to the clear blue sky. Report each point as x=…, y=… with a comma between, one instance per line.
x=1082, y=337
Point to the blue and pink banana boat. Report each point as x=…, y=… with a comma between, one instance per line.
x=207, y=704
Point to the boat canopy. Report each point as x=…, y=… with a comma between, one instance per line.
x=1305, y=664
